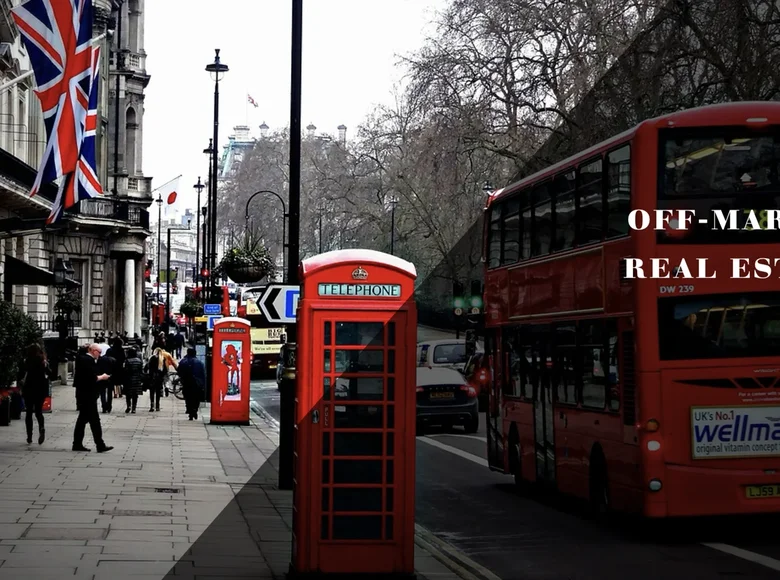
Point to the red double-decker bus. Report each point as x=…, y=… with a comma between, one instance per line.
x=654, y=396
x=213, y=295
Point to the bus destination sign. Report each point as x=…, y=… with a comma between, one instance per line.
x=361, y=290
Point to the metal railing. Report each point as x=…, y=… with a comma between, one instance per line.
x=114, y=210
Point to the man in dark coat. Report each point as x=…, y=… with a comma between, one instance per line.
x=88, y=382
x=192, y=373
x=134, y=380
x=107, y=365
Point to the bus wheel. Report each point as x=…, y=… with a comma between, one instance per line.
x=599, y=486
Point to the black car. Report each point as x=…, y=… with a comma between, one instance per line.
x=445, y=398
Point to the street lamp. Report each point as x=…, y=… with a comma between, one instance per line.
x=198, y=186
x=159, y=240
x=207, y=212
x=217, y=70
x=393, y=202
x=285, y=215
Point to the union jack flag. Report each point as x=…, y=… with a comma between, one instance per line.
x=83, y=183
x=58, y=38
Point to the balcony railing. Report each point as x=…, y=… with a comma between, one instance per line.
x=136, y=62
x=111, y=209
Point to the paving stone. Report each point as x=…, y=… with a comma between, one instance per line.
x=95, y=517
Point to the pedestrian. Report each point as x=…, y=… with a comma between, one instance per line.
x=157, y=367
x=133, y=379
x=107, y=365
x=192, y=373
x=179, y=341
x=117, y=352
x=159, y=341
x=88, y=382
x=35, y=377
x=103, y=344
x=82, y=350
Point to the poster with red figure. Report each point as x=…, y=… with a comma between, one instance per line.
x=231, y=363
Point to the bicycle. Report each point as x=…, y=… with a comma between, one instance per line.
x=175, y=388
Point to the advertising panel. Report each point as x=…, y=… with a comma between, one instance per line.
x=230, y=364
x=731, y=432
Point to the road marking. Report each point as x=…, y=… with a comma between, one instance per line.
x=450, y=556
x=457, y=562
x=455, y=451
x=746, y=555
x=477, y=437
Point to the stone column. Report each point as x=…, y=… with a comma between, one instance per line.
x=129, y=295
x=139, y=295
x=22, y=253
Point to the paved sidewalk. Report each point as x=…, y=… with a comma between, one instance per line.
x=143, y=509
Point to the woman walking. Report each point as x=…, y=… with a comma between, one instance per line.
x=117, y=352
x=36, y=375
x=158, y=373
x=133, y=379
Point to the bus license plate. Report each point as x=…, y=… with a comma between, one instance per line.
x=443, y=395
x=758, y=491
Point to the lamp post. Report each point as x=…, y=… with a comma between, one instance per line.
x=393, y=202
x=288, y=386
x=159, y=240
x=217, y=70
x=206, y=213
x=168, y=266
x=284, y=219
x=199, y=187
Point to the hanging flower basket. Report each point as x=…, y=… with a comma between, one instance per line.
x=246, y=274
x=250, y=262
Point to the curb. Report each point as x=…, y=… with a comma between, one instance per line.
x=264, y=415
x=450, y=556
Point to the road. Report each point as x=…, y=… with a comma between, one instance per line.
x=530, y=537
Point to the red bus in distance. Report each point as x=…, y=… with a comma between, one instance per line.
x=658, y=397
x=214, y=295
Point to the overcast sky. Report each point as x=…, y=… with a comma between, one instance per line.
x=350, y=50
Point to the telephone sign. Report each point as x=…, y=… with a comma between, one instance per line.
x=356, y=417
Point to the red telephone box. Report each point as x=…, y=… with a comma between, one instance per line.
x=354, y=470
x=231, y=364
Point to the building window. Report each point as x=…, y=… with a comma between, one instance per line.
x=130, y=141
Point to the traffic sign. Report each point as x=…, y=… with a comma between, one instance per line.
x=210, y=309
x=279, y=303
x=211, y=321
x=475, y=310
x=458, y=311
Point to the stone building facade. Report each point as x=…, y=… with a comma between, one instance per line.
x=103, y=239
